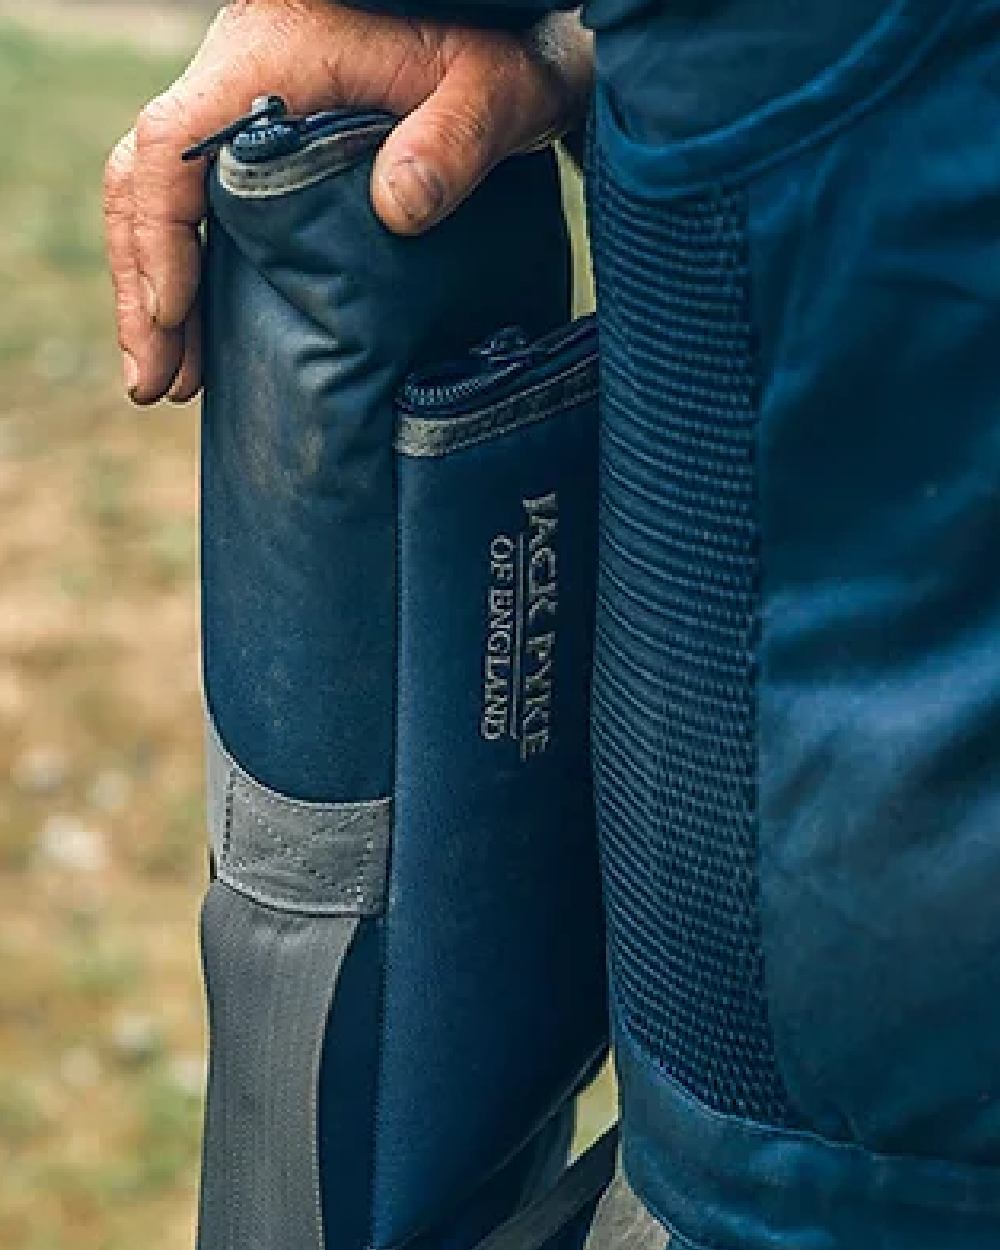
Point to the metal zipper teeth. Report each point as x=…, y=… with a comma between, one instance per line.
x=292, y=135
x=322, y=125
x=295, y=169
x=318, y=125
x=269, y=118
x=427, y=395
x=458, y=397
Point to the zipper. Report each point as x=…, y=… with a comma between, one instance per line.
x=269, y=132
x=492, y=370
x=505, y=363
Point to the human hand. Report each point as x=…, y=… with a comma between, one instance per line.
x=468, y=99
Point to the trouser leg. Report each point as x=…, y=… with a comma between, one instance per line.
x=797, y=698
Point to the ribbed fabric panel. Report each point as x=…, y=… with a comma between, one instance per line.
x=675, y=703
x=271, y=976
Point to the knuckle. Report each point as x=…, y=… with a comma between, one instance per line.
x=466, y=131
x=161, y=122
x=118, y=169
x=428, y=43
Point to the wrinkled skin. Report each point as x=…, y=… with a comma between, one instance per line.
x=469, y=98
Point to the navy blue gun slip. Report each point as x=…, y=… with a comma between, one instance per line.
x=402, y=940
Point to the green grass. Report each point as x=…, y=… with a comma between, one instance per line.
x=63, y=108
x=97, y=1151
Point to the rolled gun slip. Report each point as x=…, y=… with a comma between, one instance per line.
x=402, y=940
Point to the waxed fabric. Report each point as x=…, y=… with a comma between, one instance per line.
x=840, y=250
x=494, y=881
x=403, y=943
x=299, y=682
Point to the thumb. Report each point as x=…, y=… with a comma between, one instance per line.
x=442, y=150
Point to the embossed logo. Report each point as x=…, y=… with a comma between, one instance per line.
x=523, y=603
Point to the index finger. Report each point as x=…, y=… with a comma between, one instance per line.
x=169, y=199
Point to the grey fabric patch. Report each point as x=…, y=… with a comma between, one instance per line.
x=623, y=1223
x=437, y=436
x=538, y=1223
x=319, y=859
x=270, y=977
x=302, y=169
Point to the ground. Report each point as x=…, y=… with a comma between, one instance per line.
x=102, y=859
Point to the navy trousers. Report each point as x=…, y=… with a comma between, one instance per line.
x=797, y=697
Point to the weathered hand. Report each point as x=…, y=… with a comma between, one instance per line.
x=469, y=98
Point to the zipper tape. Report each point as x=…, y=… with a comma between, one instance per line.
x=508, y=365
x=423, y=436
x=297, y=170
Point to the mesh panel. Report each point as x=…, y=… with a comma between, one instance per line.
x=679, y=619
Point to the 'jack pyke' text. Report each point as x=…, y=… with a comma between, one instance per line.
x=522, y=605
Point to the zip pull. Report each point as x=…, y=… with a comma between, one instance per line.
x=264, y=110
x=497, y=366
x=507, y=346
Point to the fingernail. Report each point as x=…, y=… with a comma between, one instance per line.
x=150, y=299
x=417, y=190
x=130, y=369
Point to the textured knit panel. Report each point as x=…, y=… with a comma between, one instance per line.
x=678, y=630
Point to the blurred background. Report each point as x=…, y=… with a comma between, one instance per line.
x=101, y=843
x=102, y=860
